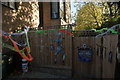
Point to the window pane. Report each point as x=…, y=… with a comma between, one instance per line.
x=55, y=10
x=12, y=4
x=5, y=3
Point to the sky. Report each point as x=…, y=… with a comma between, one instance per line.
x=73, y=9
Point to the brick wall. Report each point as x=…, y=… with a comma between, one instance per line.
x=27, y=14
x=47, y=15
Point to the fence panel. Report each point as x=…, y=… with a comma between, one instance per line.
x=109, y=55
x=103, y=62
x=44, y=56
x=83, y=69
x=98, y=57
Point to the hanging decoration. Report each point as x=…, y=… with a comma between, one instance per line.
x=21, y=33
x=105, y=31
x=24, y=65
x=16, y=48
x=58, y=48
x=110, y=57
x=52, y=47
x=44, y=31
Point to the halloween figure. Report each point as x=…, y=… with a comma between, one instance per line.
x=58, y=48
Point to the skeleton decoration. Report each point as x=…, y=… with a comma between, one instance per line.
x=58, y=48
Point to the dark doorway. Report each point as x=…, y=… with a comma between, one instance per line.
x=40, y=14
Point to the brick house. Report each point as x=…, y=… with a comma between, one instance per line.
x=34, y=14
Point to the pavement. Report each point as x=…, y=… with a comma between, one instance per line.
x=33, y=75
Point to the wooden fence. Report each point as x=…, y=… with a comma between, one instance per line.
x=44, y=56
x=110, y=43
x=99, y=67
x=83, y=69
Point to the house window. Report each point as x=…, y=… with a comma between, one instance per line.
x=54, y=10
x=62, y=9
x=11, y=4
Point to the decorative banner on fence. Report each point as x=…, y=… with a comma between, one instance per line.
x=44, y=31
x=85, y=54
